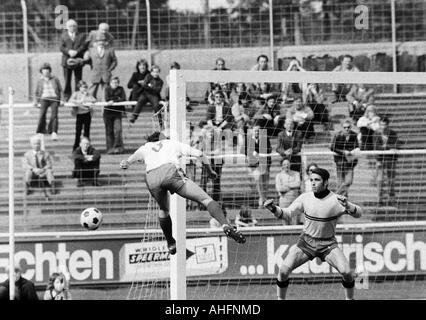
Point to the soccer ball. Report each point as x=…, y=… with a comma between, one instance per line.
x=91, y=218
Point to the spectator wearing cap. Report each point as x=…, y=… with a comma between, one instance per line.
x=48, y=93
x=103, y=61
x=73, y=45
x=103, y=28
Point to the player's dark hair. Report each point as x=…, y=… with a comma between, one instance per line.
x=385, y=119
x=153, y=137
x=263, y=56
x=348, y=56
x=323, y=173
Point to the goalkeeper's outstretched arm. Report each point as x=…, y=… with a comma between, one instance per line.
x=279, y=213
x=351, y=208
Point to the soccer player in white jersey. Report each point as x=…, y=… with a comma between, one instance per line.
x=321, y=208
x=163, y=175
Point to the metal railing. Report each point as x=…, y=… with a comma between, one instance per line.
x=306, y=22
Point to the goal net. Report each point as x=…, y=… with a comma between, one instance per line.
x=263, y=131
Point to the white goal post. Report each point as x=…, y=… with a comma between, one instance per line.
x=178, y=83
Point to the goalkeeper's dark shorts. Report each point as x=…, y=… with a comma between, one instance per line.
x=316, y=247
x=166, y=178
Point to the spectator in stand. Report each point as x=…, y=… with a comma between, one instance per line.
x=73, y=45
x=24, y=288
x=244, y=217
x=288, y=90
x=261, y=65
x=258, y=144
x=316, y=101
x=240, y=110
x=290, y=144
x=103, y=29
x=37, y=165
x=103, y=62
x=302, y=117
x=219, y=66
x=48, y=94
x=83, y=111
x=341, y=90
x=367, y=125
x=260, y=95
x=287, y=184
x=219, y=114
x=386, y=139
x=113, y=117
x=239, y=89
x=86, y=163
x=307, y=185
x=175, y=66
x=57, y=288
x=136, y=80
x=151, y=92
x=359, y=97
x=345, y=146
x=268, y=116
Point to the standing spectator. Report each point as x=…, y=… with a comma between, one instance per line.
x=287, y=184
x=359, y=97
x=24, y=288
x=301, y=115
x=290, y=144
x=103, y=61
x=219, y=114
x=37, y=165
x=288, y=90
x=386, y=139
x=345, y=145
x=86, y=163
x=341, y=90
x=82, y=111
x=258, y=143
x=151, y=92
x=112, y=117
x=73, y=45
x=307, y=185
x=367, y=125
x=103, y=29
x=136, y=80
x=57, y=288
x=48, y=94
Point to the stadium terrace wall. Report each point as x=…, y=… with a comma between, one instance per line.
x=369, y=57
x=105, y=258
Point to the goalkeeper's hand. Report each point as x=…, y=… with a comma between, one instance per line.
x=269, y=204
x=124, y=164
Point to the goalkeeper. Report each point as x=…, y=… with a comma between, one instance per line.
x=321, y=208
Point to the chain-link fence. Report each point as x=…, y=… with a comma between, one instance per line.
x=302, y=22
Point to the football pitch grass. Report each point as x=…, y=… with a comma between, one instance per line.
x=388, y=290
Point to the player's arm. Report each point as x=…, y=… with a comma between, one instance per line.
x=137, y=156
x=189, y=151
x=281, y=213
x=350, y=208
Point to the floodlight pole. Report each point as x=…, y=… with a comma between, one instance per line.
x=394, y=54
x=271, y=34
x=25, y=31
x=178, y=204
x=148, y=31
x=11, y=201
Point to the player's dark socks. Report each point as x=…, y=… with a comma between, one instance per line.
x=348, y=284
x=166, y=226
x=283, y=284
x=216, y=212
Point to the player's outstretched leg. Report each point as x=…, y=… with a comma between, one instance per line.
x=190, y=190
x=337, y=259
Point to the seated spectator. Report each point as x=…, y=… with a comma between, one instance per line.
x=237, y=90
x=103, y=29
x=86, y=163
x=83, y=111
x=341, y=90
x=24, y=288
x=244, y=218
x=112, y=117
x=37, y=165
x=268, y=116
x=316, y=101
x=210, y=98
x=367, y=124
x=57, y=288
x=151, y=92
x=359, y=97
x=301, y=116
x=240, y=110
x=48, y=94
x=219, y=114
x=103, y=61
x=290, y=144
x=288, y=90
x=307, y=185
x=287, y=184
x=260, y=94
x=261, y=65
x=136, y=80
